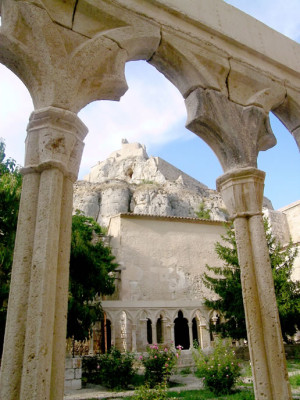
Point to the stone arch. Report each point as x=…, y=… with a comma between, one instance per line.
x=288, y=113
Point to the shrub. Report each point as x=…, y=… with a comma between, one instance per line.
x=159, y=363
x=159, y=392
x=113, y=369
x=220, y=369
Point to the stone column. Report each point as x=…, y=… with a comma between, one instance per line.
x=34, y=345
x=163, y=330
x=113, y=333
x=133, y=337
x=154, y=335
x=172, y=325
x=190, y=324
x=144, y=333
x=242, y=191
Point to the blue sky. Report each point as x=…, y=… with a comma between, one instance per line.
x=152, y=112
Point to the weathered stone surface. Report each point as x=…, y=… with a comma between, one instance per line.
x=130, y=181
x=234, y=132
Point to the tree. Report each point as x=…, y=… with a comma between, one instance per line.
x=10, y=191
x=91, y=263
x=203, y=213
x=226, y=283
x=92, y=269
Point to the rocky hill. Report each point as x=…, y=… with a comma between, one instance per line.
x=130, y=181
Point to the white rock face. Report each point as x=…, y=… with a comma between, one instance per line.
x=130, y=181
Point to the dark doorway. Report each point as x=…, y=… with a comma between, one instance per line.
x=195, y=331
x=181, y=329
x=149, y=331
x=159, y=331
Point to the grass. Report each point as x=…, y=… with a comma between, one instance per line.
x=295, y=380
x=293, y=365
x=206, y=394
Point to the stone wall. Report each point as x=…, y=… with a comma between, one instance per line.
x=73, y=373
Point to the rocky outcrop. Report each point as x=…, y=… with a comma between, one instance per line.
x=130, y=181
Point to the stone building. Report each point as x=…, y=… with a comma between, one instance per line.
x=150, y=210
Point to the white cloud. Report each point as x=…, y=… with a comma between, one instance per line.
x=15, y=109
x=148, y=113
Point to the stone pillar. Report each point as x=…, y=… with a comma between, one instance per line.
x=242, y=191
x=163, y=330
x=144, y=333
x=34, y=345
x=113, y=333
x=154, y=335
x=172, y=325
x=190, y=324
x=133, y=337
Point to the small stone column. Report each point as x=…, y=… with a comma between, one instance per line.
x=172, y=325
x=242, y=192
x=190, y=324
x=133, y=337
x=154, y=335
x=142, y=334
x=204, y=336
x=113, y=333
x=164, y=329
x=34, y=346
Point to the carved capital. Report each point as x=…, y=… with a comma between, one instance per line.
x=235, y=133
x=242, y=192
x=54, y=140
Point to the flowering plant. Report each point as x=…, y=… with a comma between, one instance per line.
x=159, y=392
x=159, y=362
x=220, y=369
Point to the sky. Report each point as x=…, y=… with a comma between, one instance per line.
x=152, y=112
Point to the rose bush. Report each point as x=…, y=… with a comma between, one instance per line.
x=220, y=369
x=159, y=363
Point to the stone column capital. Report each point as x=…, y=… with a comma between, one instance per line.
x=242, y=191
x=54, y=140
x=234, y=132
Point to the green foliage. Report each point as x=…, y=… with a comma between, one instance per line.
x=186, y=371
x=226, y=282
x=113, y=369
x=205, y=394
x=91, y=264
x=147, y=182
x=203, y=213
x=159, y=363
x=10, y=192
x=159, y=392
x=220, y=369
x=91, y=275
x=295, y=380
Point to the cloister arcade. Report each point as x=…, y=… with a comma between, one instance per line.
x=134, y=331
x=231, y=70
